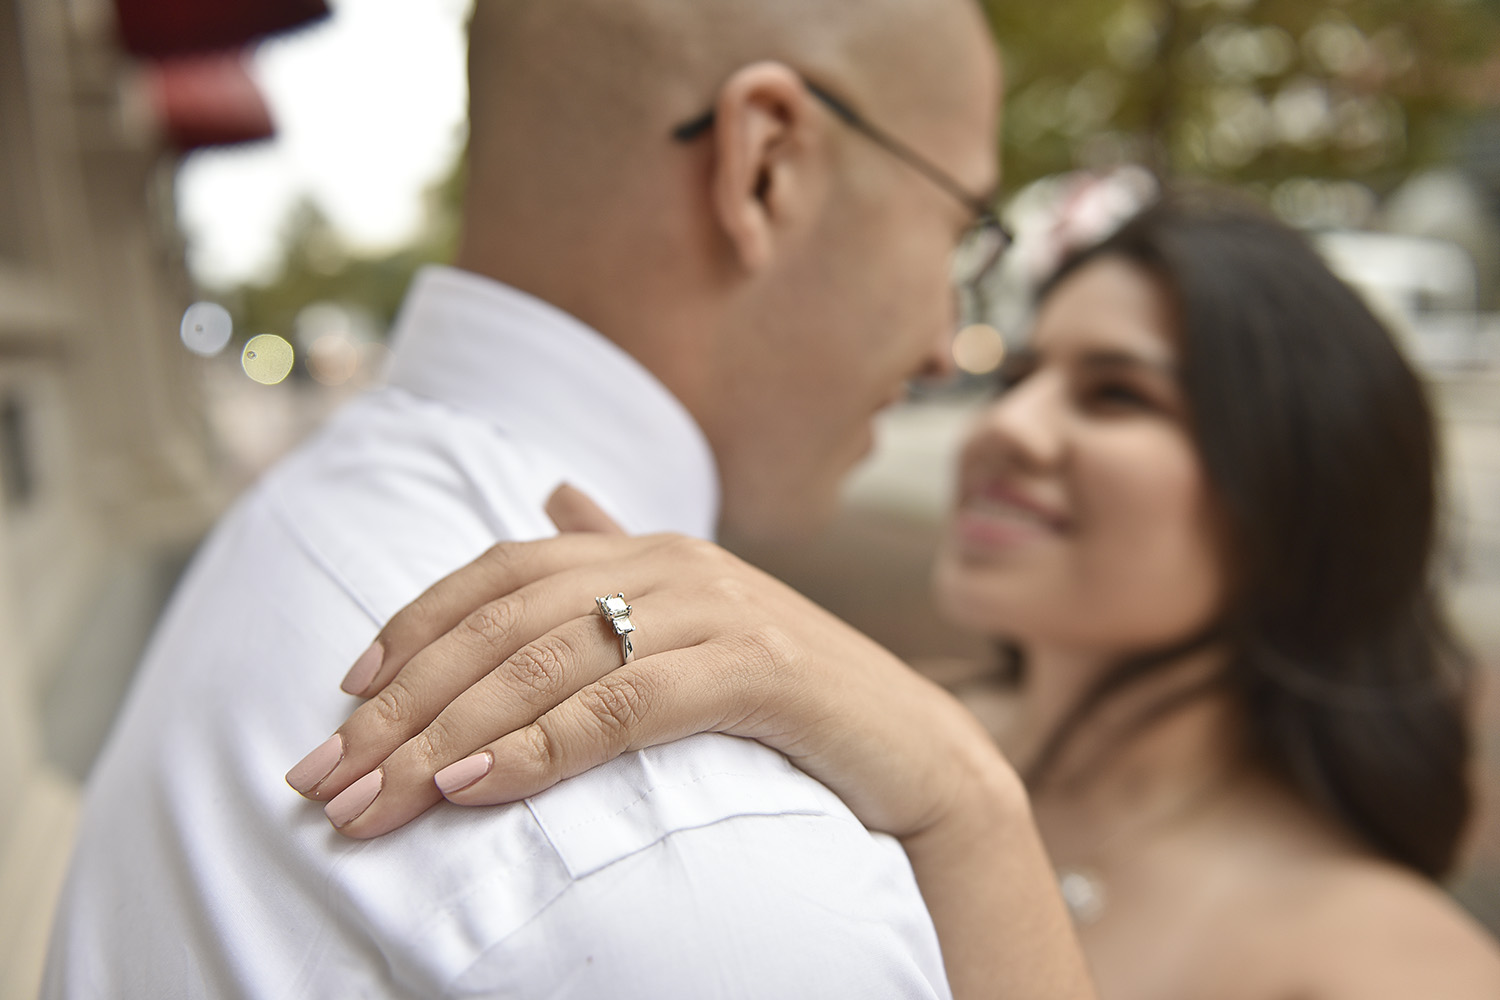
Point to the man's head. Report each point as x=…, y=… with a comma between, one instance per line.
x=778, y=270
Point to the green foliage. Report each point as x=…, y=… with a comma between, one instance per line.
x=317, y=266
x=1240, y=90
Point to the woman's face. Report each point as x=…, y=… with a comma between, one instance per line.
x=1083, y=519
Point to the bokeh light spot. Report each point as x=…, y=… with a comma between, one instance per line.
x=978, y=349
x=267, y=358
x=333, y=359
x=206, y=328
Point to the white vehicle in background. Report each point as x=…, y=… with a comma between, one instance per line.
x=1425, y=289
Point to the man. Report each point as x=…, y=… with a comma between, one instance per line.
x=705, y=241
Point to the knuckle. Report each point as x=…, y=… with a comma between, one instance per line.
x=431, y=744
x=689, y=549
x=442, y=741
x=499, y=555
x=766, y=649
x=707, y=552
x=727, y=589
x=394, y=706
x=541, y=744
x=541, y=666
x=490, y=624
x=617, y=703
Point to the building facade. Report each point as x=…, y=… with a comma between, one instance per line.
x=107, y=471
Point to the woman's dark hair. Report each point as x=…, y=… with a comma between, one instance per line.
x=1319, y=445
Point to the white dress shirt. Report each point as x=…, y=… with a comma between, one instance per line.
x=708, y=868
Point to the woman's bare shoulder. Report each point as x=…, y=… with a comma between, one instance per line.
x=1361, y=928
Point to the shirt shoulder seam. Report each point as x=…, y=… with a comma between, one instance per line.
x=310, y=549
x=674, y=786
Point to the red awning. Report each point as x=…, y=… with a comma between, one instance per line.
x=208, y=101
x=159, y=28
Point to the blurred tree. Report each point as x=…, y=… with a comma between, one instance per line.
x=1253, y=91
x=317, y=265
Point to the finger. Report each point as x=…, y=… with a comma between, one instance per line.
x=482, y=640
x=539, y=676
x=502, y=569
x=652, y=701
x=572, y=510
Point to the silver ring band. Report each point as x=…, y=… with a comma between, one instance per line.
x=617, y=613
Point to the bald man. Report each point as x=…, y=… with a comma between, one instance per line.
x=705, y=242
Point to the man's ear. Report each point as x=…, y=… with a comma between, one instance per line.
x=764, y=122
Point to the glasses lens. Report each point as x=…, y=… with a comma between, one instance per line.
x=978, y=251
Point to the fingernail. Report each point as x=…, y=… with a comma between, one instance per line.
x=309, y=772
x=364, y=670
x=354, y=800
x=461, y=775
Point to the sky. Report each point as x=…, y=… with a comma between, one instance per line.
x=369, y=110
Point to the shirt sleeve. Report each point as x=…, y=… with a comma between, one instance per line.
x=785, y=906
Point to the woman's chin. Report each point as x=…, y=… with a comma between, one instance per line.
x=972, y=599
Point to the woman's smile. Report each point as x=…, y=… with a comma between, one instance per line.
x=995, y=516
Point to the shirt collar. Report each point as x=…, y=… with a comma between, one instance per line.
x=547, y=380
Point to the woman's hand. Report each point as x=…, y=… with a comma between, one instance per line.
x=502, y=680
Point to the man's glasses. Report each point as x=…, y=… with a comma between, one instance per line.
x=982, y=244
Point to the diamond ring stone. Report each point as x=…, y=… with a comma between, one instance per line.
x=617, y=613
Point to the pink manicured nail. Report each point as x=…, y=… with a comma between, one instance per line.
x=461, y=775
x=348, y=804
x=364, y=670
x=310, y=771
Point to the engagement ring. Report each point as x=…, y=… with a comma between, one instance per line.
x=617, y=613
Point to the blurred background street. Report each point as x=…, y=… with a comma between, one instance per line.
x=289, y=165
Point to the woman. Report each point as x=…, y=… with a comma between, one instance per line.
x=1201, y=521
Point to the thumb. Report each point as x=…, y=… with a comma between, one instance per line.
x=572, y=510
